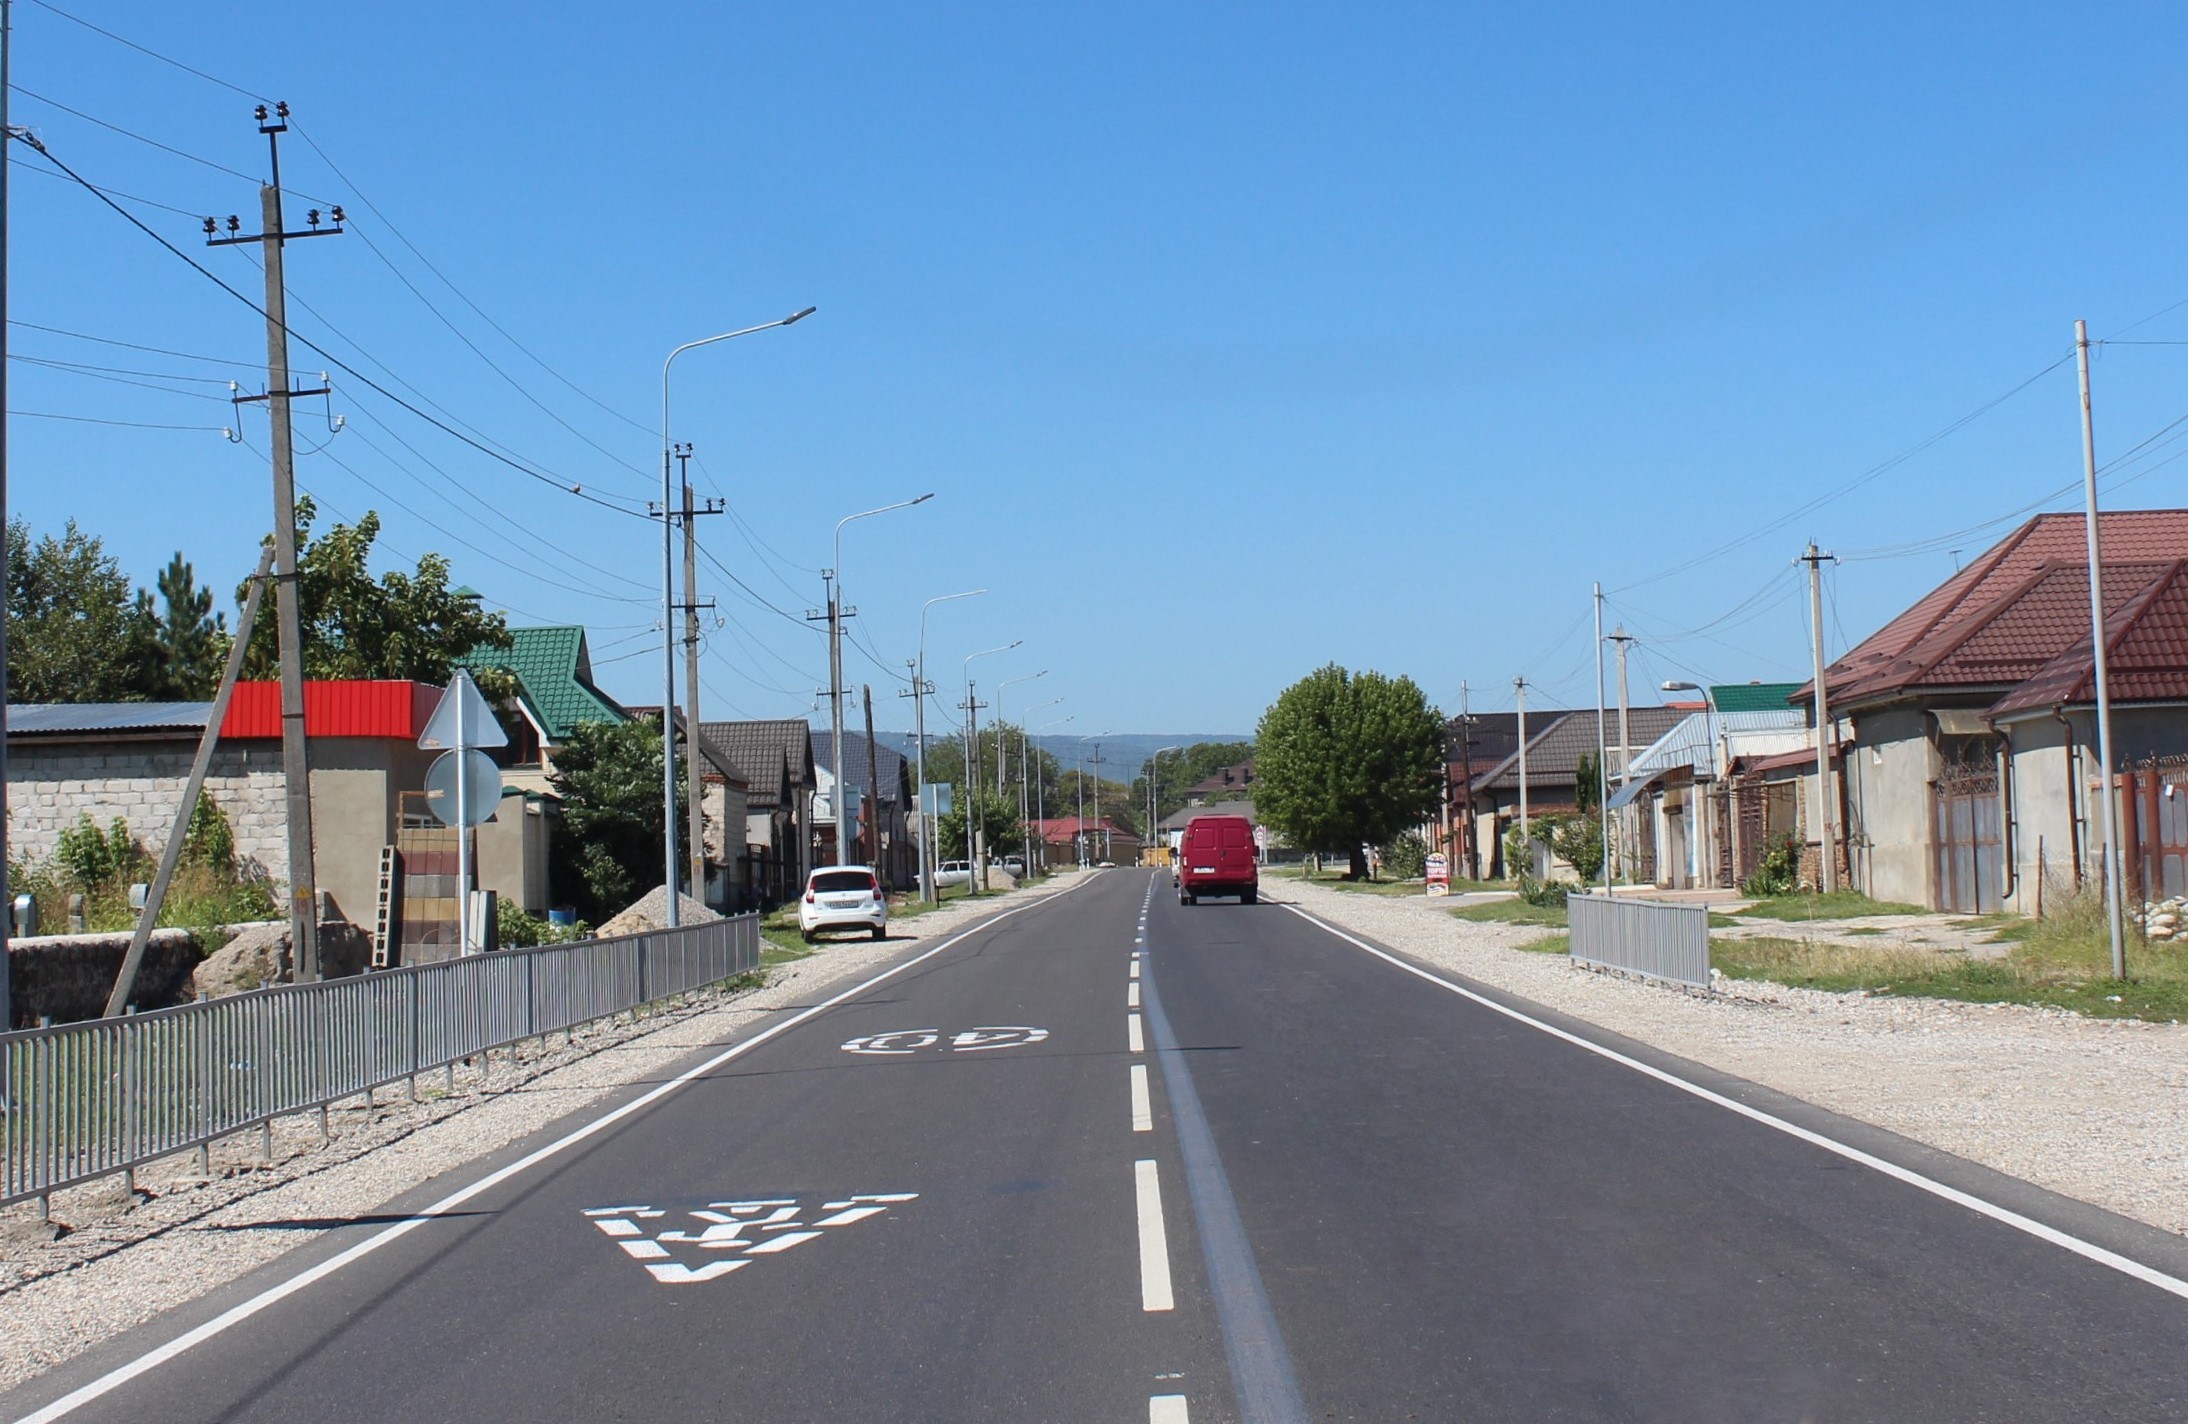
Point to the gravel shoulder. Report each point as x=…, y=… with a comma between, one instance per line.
x=2095, y=1109
x=122, y=1260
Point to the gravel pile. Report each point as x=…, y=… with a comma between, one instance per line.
x=122, y=1259
x=2091, y=1108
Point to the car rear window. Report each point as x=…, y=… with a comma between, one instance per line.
x=838, y=881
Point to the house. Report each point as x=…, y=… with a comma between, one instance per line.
x=1230, y=783
x=1066, y=840
x=1557, y=741
x=774, y=760
x=1966, y=726
x=883, y=836
x=131, y=760
x=1701, y=805
x=555, y=692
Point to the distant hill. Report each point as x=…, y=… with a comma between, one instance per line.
x=1122, y=754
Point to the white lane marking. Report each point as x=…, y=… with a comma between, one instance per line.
x=273, y=1295
x=1132, y=994
x=1132, y=1034
x=742, y=1227
x=1135, y=966
x=1143, y=1113
x=980, y=1040
x=1154, y=1241
x=1167, y=1409
x=2126, y=1266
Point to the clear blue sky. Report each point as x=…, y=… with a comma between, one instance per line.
x=1233, y=339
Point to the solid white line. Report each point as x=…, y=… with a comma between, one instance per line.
x=2087, y=1250
x=1143, y=1114
x=1154, y=1241
x=1167, y=1409
x=1132, y=1036
x=273, y=1295
x=1132, y=994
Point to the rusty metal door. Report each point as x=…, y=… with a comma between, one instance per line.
x=1967, y=840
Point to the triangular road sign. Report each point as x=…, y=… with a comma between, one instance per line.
x=480, y=728
x=727, y=1236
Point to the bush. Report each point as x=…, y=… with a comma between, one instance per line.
x=1406, y=857
x=95, y=859
x=517, y=929
x=1543, y=893
x=1779, y=873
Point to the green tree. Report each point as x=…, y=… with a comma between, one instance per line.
x=184, y=643
x=1343, y=761
x=401, y=625
x=607, y=851
x=1587, y=784
x=73, y=628
x=1186, y=768
x=998, y=820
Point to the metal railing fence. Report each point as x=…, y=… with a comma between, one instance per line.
x=1645, y=937
x=86, y=1100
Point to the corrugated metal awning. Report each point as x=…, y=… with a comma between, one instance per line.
x=1625, y=794
x=1960, y=722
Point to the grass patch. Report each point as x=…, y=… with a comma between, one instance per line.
x=1721, y=922
x=1838, y=905
x=1514, y=912
x=1550, y=944
x=2063, y=961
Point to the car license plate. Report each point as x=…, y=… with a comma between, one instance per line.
x=1204, y=870
x=850, y=904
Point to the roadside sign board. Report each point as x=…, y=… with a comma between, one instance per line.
x=936, y=799
x=480, y=793
x=1439, y=875
x=462, y=720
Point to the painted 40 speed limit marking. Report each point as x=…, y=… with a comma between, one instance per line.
x=901, y=1041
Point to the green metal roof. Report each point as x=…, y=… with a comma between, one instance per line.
x=1754, y=696
x=556, y=676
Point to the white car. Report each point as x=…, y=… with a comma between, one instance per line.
x=952, y=872
x=843, y=897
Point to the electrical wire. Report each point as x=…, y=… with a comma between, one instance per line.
x=129, y=345
x=445, y=428
x=94, y=375
x=130, y=197
x=127, y=424
x=141, y=49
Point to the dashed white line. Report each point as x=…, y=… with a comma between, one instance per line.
x=1132, y=1033
x=1135, y=966
x=1132, y=994
x=1167, y=1409
x=1154, y=1241
x=1143, y=1113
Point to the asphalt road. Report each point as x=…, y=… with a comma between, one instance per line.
x=1259, y=1173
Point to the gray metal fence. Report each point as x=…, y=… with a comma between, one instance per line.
x=1645, y=937
x=86, y=1100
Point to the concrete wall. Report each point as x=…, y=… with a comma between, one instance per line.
x=1890, y=764
x=66, y=978
x=512, y=851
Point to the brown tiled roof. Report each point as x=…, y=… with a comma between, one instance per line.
x=775, y=758
x=2145, y=639
x=1913, y=649
x=1554, y=751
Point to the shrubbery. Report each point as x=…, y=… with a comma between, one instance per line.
x=207, y=890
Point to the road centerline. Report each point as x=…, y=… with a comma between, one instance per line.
x=1155, y=1292
x=1143, y=1112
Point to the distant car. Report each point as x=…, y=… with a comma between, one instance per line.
x=952, y=872
x=1218, y=857
x=1015, y=866
x=843, y=897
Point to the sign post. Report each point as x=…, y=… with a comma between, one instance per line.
x=460, y=726
x=1439, y=875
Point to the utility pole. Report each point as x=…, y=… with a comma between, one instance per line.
x=2114, y=906
x=1466, y=778
x=295, y=761
x=7, y=898
x=920, y=691
x=1602, y=750
x=1621, y=638
x=1827, y=874
x=976, y=841
x=1519, y=690
x=695, y=798
x=873, y=786
x=834, y=616
x=1098, y=797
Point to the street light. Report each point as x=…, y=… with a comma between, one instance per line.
x=920, y=689
x=976, y=841
x=1096, y=739
x=1709, y=730
x=1025, y=769
x=1040, y=790
x=833, y=577
x=668, y=618
x=1000, y=778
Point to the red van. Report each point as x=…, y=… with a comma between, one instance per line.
x=1217, y=857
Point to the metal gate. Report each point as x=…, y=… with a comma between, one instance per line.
x=2154, y=823
x=1965, y=834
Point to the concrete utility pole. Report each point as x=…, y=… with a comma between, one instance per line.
x=1519, y=691
x=1466, y=779
x=976, y=841
x=295, y=760
x=1602, y=750
x=1621, y=638
x=836, y=690
x=1827, y=858
x=695, y=802
x=7, y=897
x=919, y=692
x=873, y=786
x=2115, y=906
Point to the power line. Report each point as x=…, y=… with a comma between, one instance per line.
x=130, y=345
x=100, y=420
x=344, y=366
x=130, y=197
x=141, y=49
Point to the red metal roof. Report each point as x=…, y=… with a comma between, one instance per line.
x=2145, y=640
x=1972, y=629
x=335, y=709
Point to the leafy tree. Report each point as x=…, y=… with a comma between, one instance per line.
x=946, y=762
x=1185, y=768
x=608, y=850
x=997, y=820
x=410, y=626
x=183, y=643
x=72, y=625
x=1343, y=761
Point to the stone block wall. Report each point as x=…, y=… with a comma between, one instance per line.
x=66, y=978
x=51, y=787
